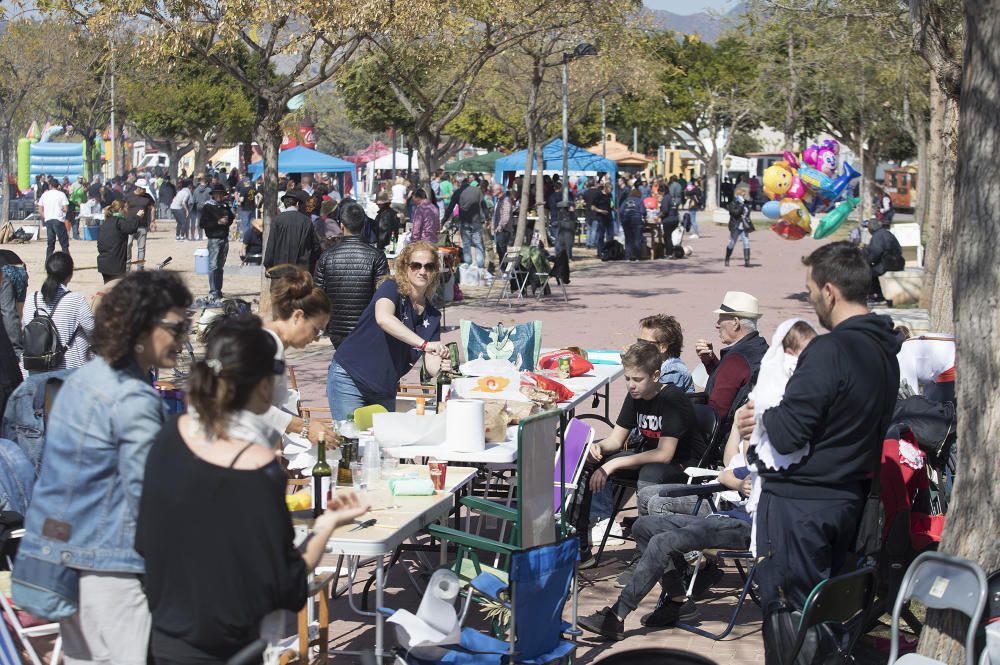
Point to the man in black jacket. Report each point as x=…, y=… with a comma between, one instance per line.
x=884, y=254
x=349, y=272
x=835, y=411
x=292, y=239
x=216, y=218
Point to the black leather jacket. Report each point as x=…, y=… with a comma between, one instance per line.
x=348, y=273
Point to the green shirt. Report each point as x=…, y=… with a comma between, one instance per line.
x=446, y=190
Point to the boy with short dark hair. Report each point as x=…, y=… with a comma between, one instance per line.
x=669, y=437
x=665, y=332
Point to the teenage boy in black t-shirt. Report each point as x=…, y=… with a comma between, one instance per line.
x=668, y=437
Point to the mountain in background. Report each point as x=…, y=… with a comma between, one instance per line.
x=707, y=26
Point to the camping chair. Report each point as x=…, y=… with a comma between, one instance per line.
x=513, y=278
x=532, y=516
x=844, y=600
x=23, y=632
x=941, y=582
x=560, y=273
x=622, y=486
x=534, y=595
x=570, y=460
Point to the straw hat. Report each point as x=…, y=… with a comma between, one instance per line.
x=738, y=303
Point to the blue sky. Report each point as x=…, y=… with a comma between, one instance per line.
x=689, y=6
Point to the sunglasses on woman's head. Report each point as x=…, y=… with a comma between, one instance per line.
x=177, y=328
x=429, y=267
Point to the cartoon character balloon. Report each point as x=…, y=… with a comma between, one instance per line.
x=781, y=180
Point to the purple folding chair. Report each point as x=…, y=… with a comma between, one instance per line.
x=576, y=441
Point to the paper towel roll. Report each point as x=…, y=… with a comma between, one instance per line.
x=466, y=431
x=437, y=607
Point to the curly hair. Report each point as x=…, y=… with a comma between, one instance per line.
x=401, y=271
x=133, y=308
x=239, y=354
x=667, y=330
x=292, y=288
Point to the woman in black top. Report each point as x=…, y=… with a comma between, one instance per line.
x=213, y=524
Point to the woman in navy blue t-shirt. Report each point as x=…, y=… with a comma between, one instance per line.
x=398, y=326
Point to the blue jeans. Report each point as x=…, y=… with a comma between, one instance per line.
x=195, y=217
x=738, y=235
x=181, y=217
x=55, y=228
x=694, y=221
x=502, y=240
x=633, y=240
x=472, y=236
x=244, y=224
x=218, y=250
x=592, y=233
x=344, y=396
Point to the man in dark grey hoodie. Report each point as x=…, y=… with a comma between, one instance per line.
x=836, y=407
x=201, y=194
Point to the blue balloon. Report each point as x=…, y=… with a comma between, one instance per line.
x=772, y=209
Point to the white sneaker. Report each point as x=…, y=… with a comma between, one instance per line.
x=614, y=537
x=693, y=236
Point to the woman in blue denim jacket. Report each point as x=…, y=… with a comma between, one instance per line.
x=80, y=526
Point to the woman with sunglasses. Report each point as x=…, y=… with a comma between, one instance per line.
x=77, y=561
x=398, y=326
x=213, y=524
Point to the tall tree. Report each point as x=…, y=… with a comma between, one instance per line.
x=23, y=77
x=707, y=91
x=973, y=521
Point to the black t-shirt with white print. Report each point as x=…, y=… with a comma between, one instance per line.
x=668, y=414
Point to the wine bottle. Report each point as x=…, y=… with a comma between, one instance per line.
x=347, y=452
x=322, y=474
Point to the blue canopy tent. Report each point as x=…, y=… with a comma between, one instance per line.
x=303, y=160
x=581, y=162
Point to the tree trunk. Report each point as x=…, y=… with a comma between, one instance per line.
x=201, y=155
x=92, y=163
x=933, y=184
x=4, y=170
x=712, y=182
x=791, y=96
x=427, y=146
x=973, y=521
x=869, y=162
x=522, y=213
x=268, y=136
x=920, y=200
x=942, y=318
x=174, y=156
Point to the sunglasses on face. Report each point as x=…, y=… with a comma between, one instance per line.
x=429, y=267
x=179, y=329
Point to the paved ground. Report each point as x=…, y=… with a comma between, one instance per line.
x=606, y=302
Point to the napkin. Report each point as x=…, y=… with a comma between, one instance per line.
x=411, y=487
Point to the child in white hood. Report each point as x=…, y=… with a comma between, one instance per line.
x=778, y=365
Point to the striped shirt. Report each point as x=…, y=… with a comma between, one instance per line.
x=72, y=313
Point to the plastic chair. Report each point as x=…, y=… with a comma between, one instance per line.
x=842, y=600
x=941, y=582
x=538, y=587
x=363, y=416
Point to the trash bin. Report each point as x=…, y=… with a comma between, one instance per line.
x=201, y=261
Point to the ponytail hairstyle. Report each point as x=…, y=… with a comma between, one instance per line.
x=58, y=269
x=292, y=288
x=238, y=355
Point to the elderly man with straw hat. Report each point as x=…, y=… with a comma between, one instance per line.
x=729, y=372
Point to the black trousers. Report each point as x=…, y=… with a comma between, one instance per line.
x=800, y=542
x=668, y=239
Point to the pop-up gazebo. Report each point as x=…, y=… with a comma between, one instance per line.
x=303, y=160
x=580, y=162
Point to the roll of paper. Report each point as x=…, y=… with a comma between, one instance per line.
x=411, y=487
x=437, y=607
x=466, y=430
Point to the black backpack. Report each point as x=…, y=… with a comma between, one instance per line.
x=43, y=349
x=612, y=251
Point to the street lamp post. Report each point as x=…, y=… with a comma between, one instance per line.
x=581, y=51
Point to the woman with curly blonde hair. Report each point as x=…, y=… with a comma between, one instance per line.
x=398, y=326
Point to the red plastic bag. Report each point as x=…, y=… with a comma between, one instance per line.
x=545, y=383
x=578, y=365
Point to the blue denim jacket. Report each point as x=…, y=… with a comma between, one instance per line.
x=16, y=478
x=24, y=417
x=86, y=499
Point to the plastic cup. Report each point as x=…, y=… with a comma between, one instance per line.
x=438, y=471
x=358, y=476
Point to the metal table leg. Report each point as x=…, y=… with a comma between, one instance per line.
x=379, y=592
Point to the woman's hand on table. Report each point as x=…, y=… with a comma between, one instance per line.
x=344, y=508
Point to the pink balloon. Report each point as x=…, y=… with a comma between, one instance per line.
x=797, y=190
x=792, y=160
x=810, y=154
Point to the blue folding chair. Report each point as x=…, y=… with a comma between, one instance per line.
x=540, y=579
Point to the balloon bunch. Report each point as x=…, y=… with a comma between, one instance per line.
x=800, y=189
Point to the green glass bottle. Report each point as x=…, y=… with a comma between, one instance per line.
x=322, y=475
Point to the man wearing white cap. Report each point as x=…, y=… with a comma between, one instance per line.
x=729, y=373
x=140, y=209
